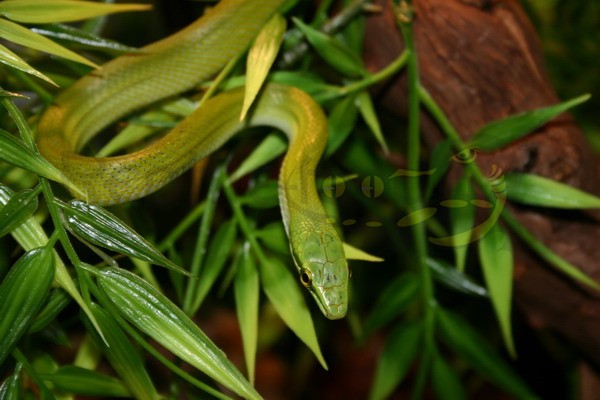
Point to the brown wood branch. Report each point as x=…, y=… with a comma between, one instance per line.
x=481, y=61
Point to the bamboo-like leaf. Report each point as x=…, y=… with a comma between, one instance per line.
x=246, y=290
x=445, y=383
x=270, y=148
x=502, y=132
x=394, y=299
x=262, y=195
x=14, y=152
x=17, y=210
x=365, y=106
x=151, y=312
x=439, y=164
x=51, y=11
x=536, y=190
x=9, y=58
x=273, y=237
x=261, y=57
x=102, y=228
x=462, y=219
x=396, y=358
x=57, y=301
x=11, y=388
x=123, y=357
x=308, y=82
x=283, y=292
x=333, y=51
x=218, y=252
x=449, y=276
x=470, y=345
x=353, y=253
x=72, y=35
x=22, y=294
x=342, y=120
x=495, y=254
x=81, y=381
x=23, y=36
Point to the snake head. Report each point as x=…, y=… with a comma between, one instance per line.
x=319, y=257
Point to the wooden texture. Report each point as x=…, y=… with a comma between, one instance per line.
x=481, y=61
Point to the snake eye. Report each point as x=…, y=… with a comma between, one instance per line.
x=466, y=156
x=306, y=277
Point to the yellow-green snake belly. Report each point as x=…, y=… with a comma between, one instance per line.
x=177, y=64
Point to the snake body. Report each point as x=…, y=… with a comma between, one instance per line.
x=174, y=65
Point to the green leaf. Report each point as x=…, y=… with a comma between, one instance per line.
x=394, y=299
x=273, y=237
x=439, y=164
x=536, y=190
x=502, y=132
x=332, y=51
x=365, y=106
x=100, y=227
x=283, y=292
x=263, y=195
x=154, y=314
x=353, y=253
x=270, y=148
x=496, y=256
x=81, y=381
x=9, y=58
x=396, y=358
x=14, y=152
x=11, y=388
x=17, y=210
x=470, y=345
x=261, y=57
x=342, y=121
x=218, y=252
x=449, y=276
x=462, y=219
x=23, y=36
x=57, y=301
x=308, y=82
x=22, y=294
x=123, y=357
x=73, y=36
x=50, y=11
x=445, y=383
x=246, y=290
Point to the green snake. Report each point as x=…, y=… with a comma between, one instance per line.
x=177, y=64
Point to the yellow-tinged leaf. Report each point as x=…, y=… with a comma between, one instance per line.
x=51, y=11
x=23, y=36
x=353, y=253
x=12, y=60
x=261, y=57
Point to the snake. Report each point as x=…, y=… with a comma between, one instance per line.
x=175, y=65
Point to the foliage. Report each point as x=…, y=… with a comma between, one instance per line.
x=220, y=253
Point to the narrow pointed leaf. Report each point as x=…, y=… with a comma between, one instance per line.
x=284, y=293
x=73, y=36
x=332, y=51
x=439, y=164
x=14, y=152
x=462, y=219
x=270, y=148
x=22, y=294
x=261, y=57
x=102, y=228
x=396, y=358
x=246, y=290
x=57, y=301
x=536, y=190
x=342, y=121
x=367, y=110
x=151, y=312
x=50, y=11
x=398, y=295
x=445, y=383
x=11, y=388
x=353, y=253
x=9, y=58
x=467, y=343
x=500, y=133
x=274, y=238
x=81, y=381
x=17, y=210
x=496, y=256
x=24, y=37
x=450, y=277
x=123, y=357
x=263, y=195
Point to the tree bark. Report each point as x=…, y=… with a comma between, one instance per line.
x=481, y=61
